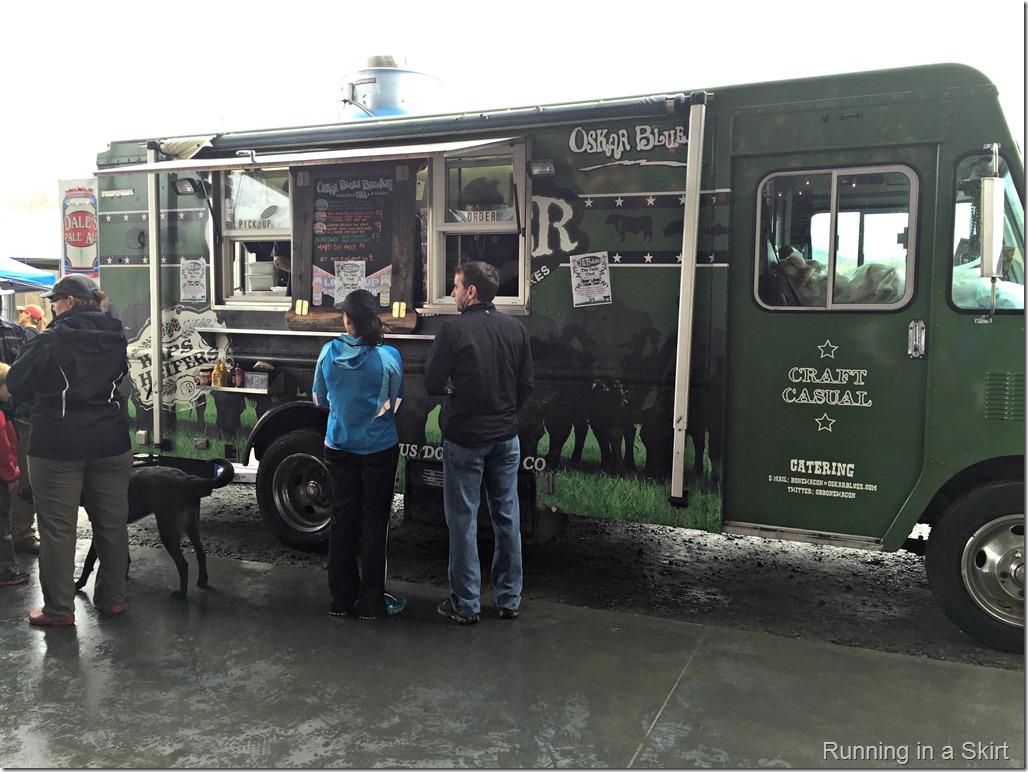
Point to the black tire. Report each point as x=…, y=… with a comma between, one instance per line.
x=975, y=564
x=293, y=491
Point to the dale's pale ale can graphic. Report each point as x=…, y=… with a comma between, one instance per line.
x=78, y=206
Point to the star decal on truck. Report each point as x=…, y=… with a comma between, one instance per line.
x=827, y=350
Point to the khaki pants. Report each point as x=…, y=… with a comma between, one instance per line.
x=58, y=486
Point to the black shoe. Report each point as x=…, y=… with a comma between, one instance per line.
x=509, y=613
x=446, y=610
x=12, y=577
x=27, y=546
x=339, y=610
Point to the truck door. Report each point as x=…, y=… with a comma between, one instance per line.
x=826, y=394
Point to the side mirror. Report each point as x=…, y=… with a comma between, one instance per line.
x=990, y=210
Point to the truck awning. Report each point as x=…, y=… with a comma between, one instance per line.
x=252, y=160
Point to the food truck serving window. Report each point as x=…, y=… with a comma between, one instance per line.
x=255, y=251
x=465, y=203
x=477, y=213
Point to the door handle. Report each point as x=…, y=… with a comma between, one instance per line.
x=916, y=340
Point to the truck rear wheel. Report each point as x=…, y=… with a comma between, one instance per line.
x=975, y=564
x=293, y=490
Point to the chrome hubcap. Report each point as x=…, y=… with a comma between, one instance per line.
x=992, y=566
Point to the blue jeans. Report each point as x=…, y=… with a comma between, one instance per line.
x=464, y=471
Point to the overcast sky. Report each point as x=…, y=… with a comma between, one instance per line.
x=77, y=75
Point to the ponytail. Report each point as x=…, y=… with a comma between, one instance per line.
x=361, y=307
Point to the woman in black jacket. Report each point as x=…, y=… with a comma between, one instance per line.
x=79, y=447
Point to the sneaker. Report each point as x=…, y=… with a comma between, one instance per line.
x=13, y=577
x=38, y=618
x=394, y=605
x=509, y=613
x=446, y=610
x=111, y=611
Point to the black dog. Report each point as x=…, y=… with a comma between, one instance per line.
x=174, y=498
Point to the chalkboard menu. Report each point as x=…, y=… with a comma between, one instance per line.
x=352, y=244
x=354, y=226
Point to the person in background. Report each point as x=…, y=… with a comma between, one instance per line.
x=31, y=318
x=282, y=257
x=12, y=338
x=23, y=510
x=9, y=572
x=360, y=381
x=482, y=362
x=79, y=445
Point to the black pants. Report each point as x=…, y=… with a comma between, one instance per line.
x=362, y=496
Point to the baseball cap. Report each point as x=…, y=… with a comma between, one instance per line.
x=32, y=310
x=358, y=303
x=74, y=285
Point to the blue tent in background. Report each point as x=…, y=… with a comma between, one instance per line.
x=20, y=277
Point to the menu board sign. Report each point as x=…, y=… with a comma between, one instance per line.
x=352, y=224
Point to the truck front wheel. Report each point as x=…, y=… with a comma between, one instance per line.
x=975, y=564
x=293, y=490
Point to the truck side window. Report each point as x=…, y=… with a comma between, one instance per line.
x=255, y=254
x=836, y=240
x=478, y=213
x=968, y=289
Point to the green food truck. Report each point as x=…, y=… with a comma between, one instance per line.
x=792, y=310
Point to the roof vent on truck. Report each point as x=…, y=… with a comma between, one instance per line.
x=385, y=88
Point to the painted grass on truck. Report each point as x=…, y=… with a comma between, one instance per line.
x=581, y=491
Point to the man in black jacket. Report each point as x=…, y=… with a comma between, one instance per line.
x=482, y=362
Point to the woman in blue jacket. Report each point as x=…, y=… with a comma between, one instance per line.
x=360, y=381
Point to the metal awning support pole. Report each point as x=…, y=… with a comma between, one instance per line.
x=690, y=233
x=156, y=317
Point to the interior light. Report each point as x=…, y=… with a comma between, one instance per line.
x=542, y=167
x=189, y=186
